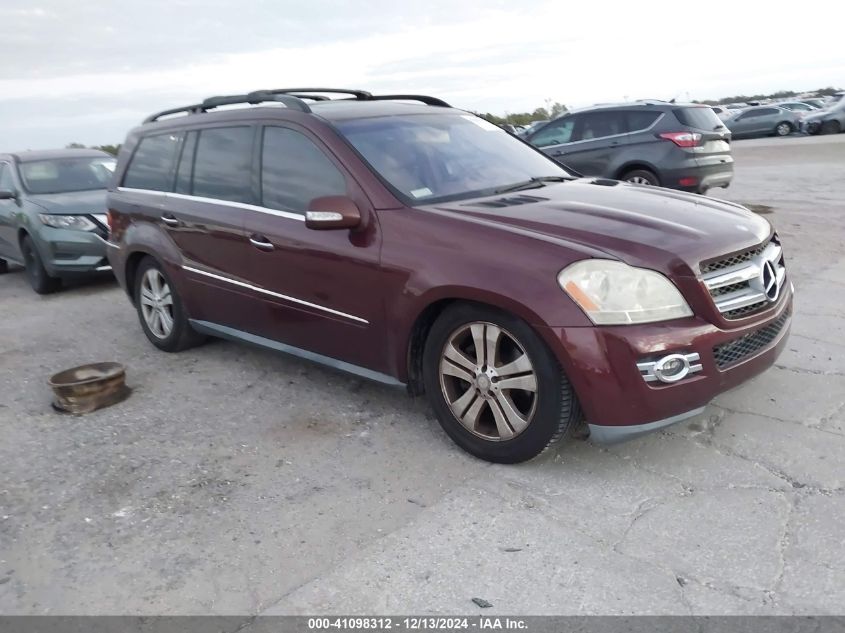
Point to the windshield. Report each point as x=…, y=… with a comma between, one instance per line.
x=700, y=118
x=429, y=158
x=62, y=175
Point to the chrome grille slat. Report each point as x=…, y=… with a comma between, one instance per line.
x=736, y=283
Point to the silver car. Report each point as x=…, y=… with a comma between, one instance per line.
x=765, y=120
x=828, y=121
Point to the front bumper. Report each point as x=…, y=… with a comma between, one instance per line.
x=67, y=253
x=601, y=363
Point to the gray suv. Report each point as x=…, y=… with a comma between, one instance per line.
x=53, y=214
x=678, y=146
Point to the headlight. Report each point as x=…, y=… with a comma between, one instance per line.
x=76, y=222
x=613, y=293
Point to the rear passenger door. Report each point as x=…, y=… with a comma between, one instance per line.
x=9, y=210
x=320, y=289
x=596, y=137
x=193, y=185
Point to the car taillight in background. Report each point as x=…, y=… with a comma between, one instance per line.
x=683, y=139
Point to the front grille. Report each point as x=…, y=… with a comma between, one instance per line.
x=734, y=351
x=733, y=260
x=748, y=282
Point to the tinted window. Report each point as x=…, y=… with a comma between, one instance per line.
x=294, y=171
x=555, y=133
x=702, y=118
x=767, y=111
x=152, y=163
x=601, y=124
x=186, y=164
x=223, y=163
x=641, y=119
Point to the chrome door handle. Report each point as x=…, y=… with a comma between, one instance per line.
x=261, y=243
x=169, y=220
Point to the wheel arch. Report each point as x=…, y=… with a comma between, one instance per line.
x=428, y=312
x=633, y=165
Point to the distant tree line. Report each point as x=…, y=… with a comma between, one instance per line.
x=780, y=94
x=524, y=118
x=108, y=149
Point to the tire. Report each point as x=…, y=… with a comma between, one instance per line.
x=160, y=309
x=36, y=274
x=831, y=127
x=784, y=128
x=641, y=177
x=4, y=266
x=535, y=419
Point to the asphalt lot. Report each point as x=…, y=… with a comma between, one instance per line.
x=237, y=481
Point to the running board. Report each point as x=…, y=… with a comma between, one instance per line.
x=222, y=331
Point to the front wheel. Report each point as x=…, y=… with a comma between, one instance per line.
x=641, y=177
x=783, y=129
x=160, y=309
x=36, y=274
x=496, y=388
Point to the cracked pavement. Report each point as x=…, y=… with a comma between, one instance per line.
x=236, y=481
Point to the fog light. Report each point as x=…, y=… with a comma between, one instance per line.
x=671, y=368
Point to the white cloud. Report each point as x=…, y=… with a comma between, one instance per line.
x=502, y=59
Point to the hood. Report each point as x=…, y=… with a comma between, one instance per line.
x=93, y=201
x=652, y=227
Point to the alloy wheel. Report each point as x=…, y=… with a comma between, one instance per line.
x=156, y=303
x=639, y=180
x=783, y=129
x=488, y=381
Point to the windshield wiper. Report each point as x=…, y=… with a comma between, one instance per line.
x=533, y=183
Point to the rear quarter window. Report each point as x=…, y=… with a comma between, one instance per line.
x=699, y=118
x=641, y=120
x=152, y=164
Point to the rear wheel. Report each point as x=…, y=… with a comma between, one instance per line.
x=496, y=388
x=784, y=128
x=160, y=309
x=36, y=274
x=831, y=127
x=641, y=177
x=4, y=266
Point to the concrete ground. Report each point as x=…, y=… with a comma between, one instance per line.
x=236, y=481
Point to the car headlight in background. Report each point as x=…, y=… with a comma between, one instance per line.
x=76, y=222
x=614, y=293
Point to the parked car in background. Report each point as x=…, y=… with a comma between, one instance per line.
x=420, y=244
x=532, y=126
x=647, y=142
x=767, y=120
x=721, y=112
x=831, y=120
x=798, y=106
x=813, y=101
x=53, y=214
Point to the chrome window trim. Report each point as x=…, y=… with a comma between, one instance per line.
x=226, y=203
x=274, y=294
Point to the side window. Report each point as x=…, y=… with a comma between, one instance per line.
x=640, y=120
x=555, y=133
x=768, y=111
x=748, y=115
x=294, y=171
x=7, y=183
x=186, y=164
x=222, y=166
x=602, y=124
x=153, y=162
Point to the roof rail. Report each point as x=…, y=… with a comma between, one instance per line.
x=292, y=98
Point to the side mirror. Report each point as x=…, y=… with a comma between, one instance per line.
x=332, y=212
x=5, y=194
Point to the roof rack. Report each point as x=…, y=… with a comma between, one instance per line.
x=293, y=98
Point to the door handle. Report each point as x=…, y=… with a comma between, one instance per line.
x=558, y=153
x=261, y=243
x=169, y=219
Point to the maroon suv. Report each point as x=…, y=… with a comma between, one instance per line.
x=417, y=244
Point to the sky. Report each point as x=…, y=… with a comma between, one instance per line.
x=88, y=71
